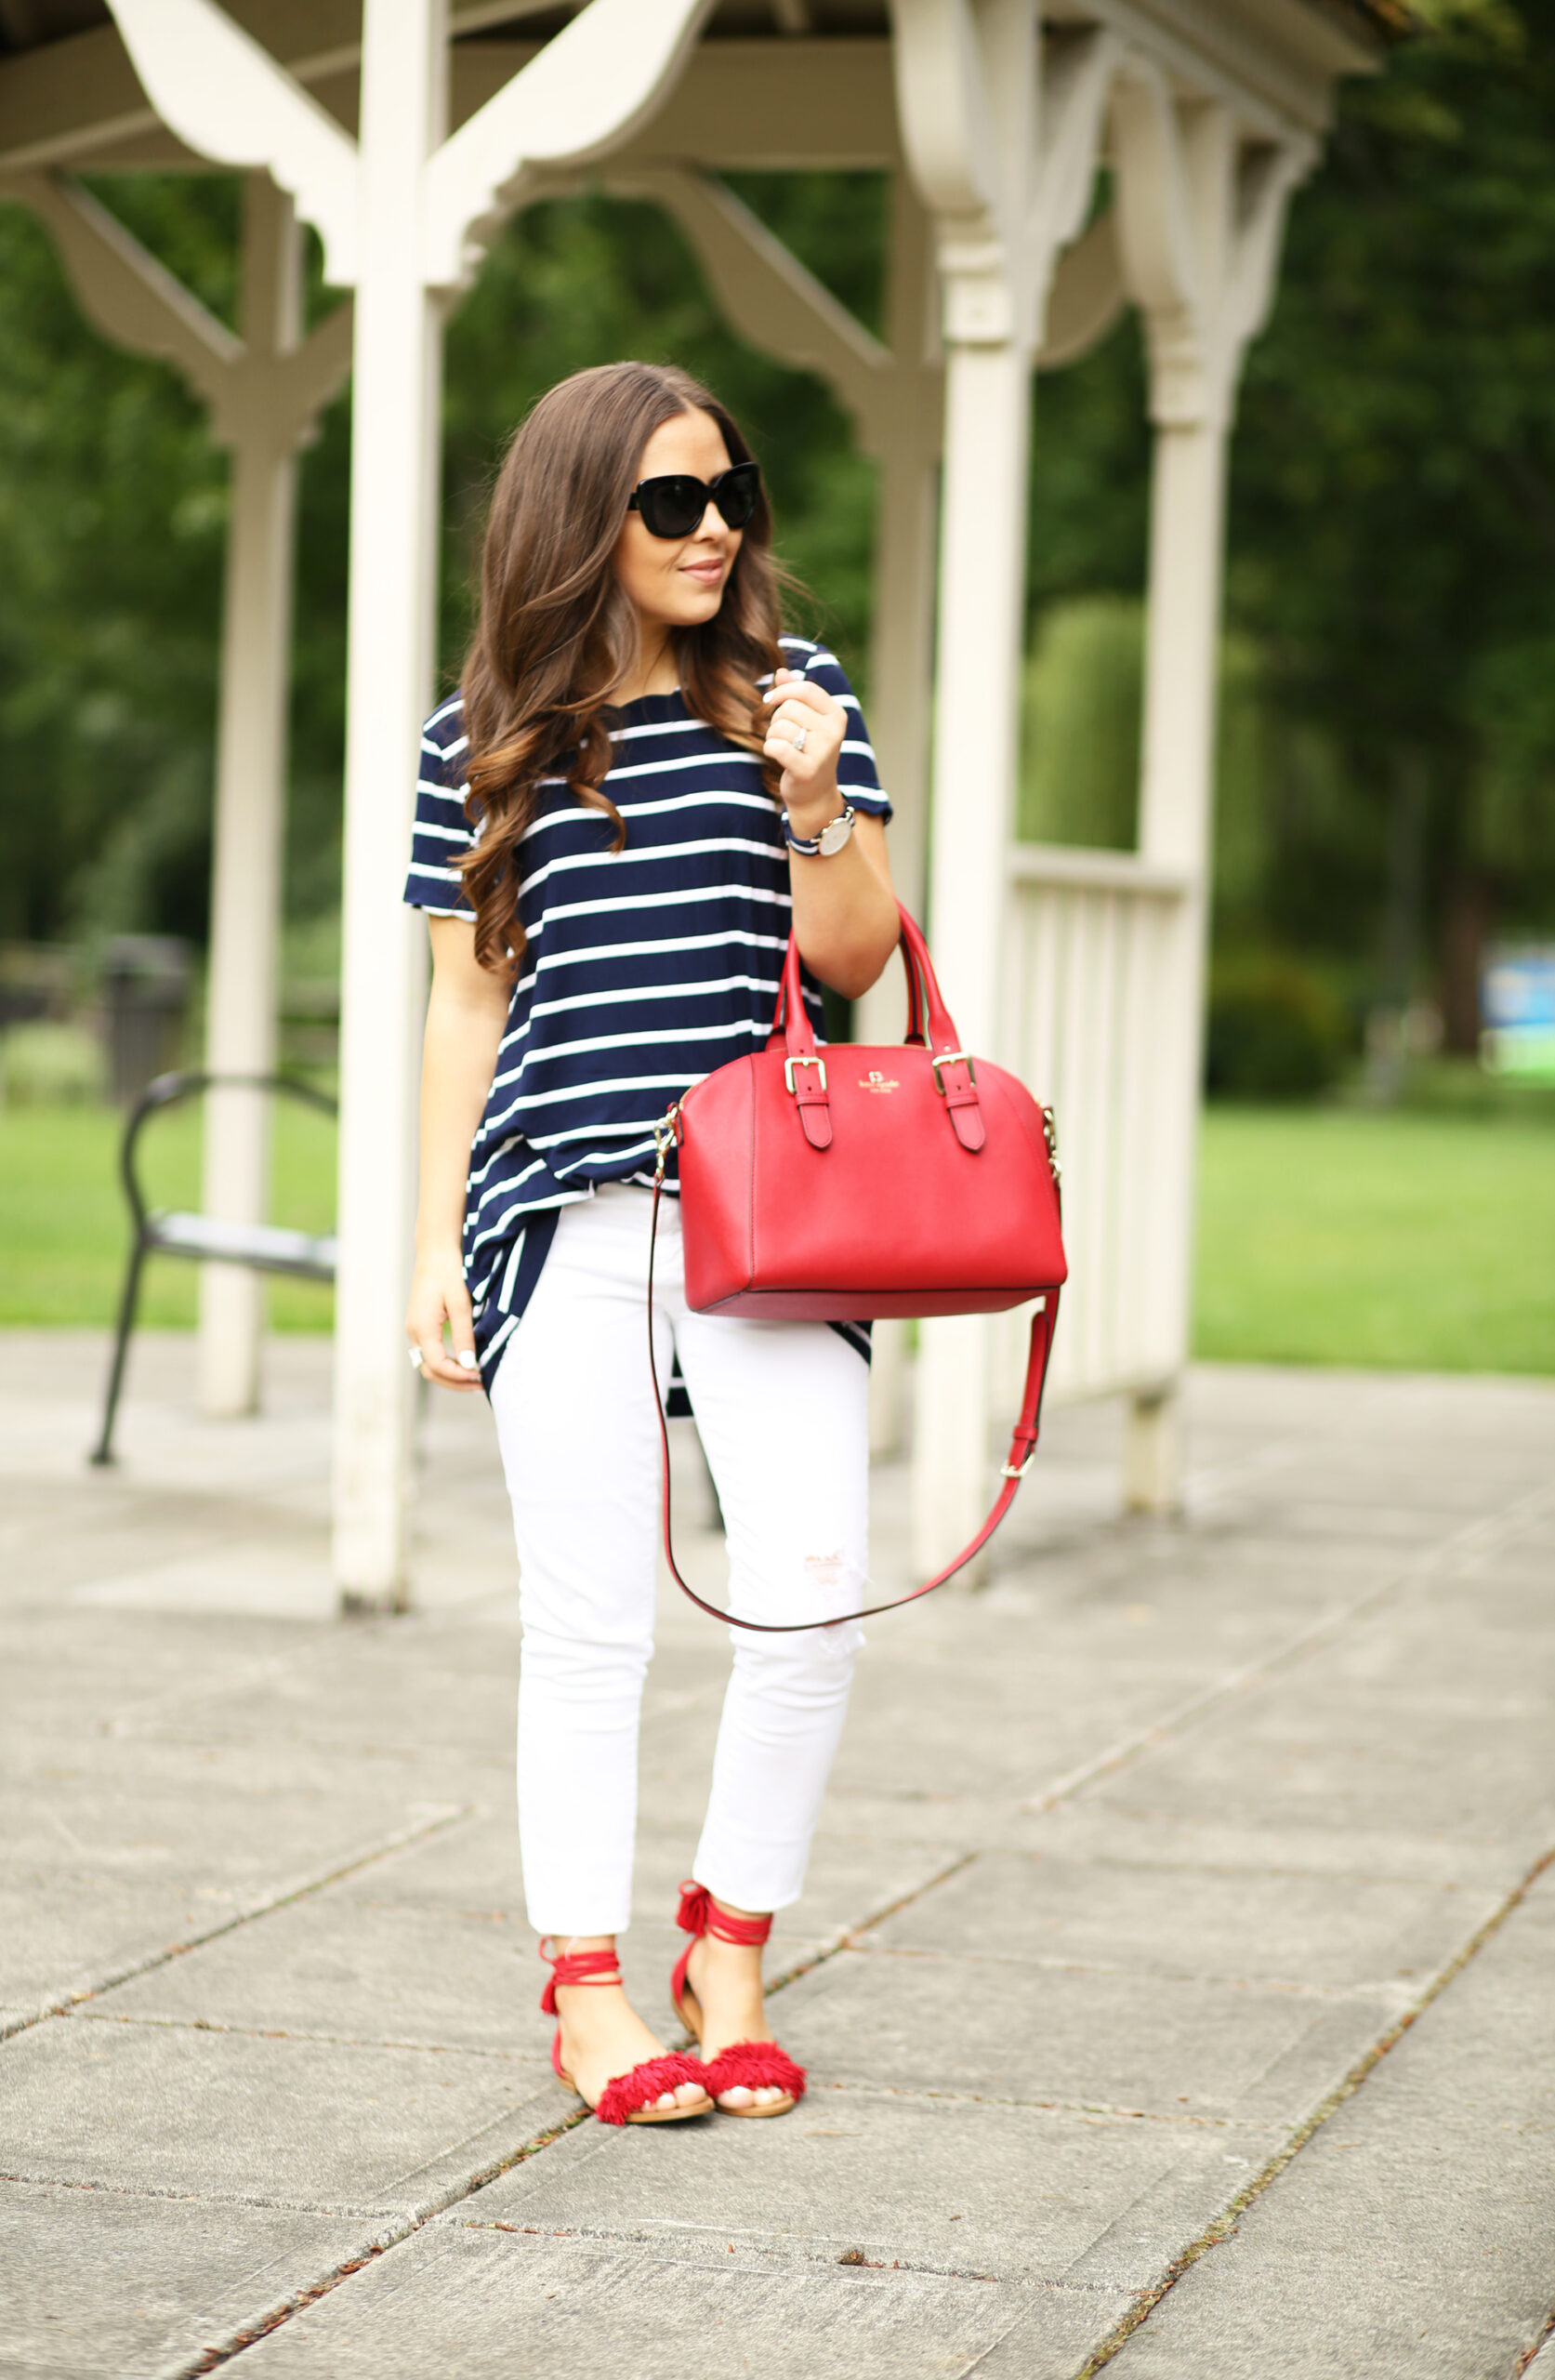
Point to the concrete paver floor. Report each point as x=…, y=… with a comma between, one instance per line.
x=1177, y=1976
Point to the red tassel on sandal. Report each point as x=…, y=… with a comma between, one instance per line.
x=751, y=2065
x=631, y=2097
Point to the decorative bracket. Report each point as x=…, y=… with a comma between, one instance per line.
x=253, y=396
x=582, y=95
x=768, y=295
x=224, y=95
x=1201, y=211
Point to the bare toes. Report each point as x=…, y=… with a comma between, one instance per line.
x=738, y=2097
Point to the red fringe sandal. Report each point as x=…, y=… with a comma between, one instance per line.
x=626, y=2098
x=752, y=2066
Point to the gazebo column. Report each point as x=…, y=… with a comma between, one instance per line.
x=250, y=806
x=977, y=690
x=1200, y=212
x=1005, y=162
x=902, y=660
x=395, y=452
x=1176, y=803
x=906, y=442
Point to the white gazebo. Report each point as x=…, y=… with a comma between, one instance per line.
x=1052, y=161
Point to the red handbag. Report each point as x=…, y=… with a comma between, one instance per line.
x=840, y=1185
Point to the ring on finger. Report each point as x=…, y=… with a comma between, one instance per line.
x=801, y=737
x=418, y=1358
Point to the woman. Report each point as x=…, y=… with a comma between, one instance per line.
x=637, y=790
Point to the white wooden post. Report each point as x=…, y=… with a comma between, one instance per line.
x=1175, y=800
x=1200, y=212
x=250, y=804
x=906, y=530
x=901, y=663
x=1006, y=174
x=982, y=584
x=395, y=449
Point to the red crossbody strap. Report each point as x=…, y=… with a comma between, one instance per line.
x=1022, y=1445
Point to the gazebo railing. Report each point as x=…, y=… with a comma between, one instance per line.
x=1096, y=954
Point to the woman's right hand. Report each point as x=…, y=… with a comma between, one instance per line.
x=437, y=1295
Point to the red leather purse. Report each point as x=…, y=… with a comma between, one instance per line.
x=844, y=1185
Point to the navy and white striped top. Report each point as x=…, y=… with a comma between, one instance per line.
x=643, y=970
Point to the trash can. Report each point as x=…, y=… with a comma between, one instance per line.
x=145, y=999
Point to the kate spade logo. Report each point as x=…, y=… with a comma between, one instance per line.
x=875, y=1081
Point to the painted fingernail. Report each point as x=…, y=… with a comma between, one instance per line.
x=467, y=1359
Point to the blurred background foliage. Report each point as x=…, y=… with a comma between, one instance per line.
x=1388, y=714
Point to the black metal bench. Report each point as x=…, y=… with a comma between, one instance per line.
x=263, y=1247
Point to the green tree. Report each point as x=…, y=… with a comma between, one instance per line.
x=1393, y=506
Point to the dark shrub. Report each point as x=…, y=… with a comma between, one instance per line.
x=1275, y=1031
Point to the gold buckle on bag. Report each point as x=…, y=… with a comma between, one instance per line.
x=951, y=1058
x=789, y=1064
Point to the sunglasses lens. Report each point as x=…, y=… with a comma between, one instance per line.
x=671, y=507
x=735, y=491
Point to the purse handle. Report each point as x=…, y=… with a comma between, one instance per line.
x=928, y=1022
x=916, y=964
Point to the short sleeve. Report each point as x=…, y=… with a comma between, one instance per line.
x=857, y=776
x=442, y=833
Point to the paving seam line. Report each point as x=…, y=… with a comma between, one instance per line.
x=693, y=2252
x=1167, y=2118
x=1285, y=1986
x=265, y=1907
x=1530, y=2353
x=1225, y=2222
x=1479, y=1535
x=300, y=2033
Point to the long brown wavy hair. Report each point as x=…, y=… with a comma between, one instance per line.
x=557, y=637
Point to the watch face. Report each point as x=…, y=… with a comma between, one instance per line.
x=837, y=834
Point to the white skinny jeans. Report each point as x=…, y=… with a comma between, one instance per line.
x=781, y=1408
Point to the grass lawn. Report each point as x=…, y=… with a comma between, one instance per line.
x=1329, y=1236
x=64, y=1222
x=1325, y=1235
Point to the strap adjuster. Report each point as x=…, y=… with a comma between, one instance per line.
x=953, y=1058
x=789, y=1064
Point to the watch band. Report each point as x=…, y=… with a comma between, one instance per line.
x=829, y=840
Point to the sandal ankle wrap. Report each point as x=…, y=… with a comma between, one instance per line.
x=629, y=2098
x=749, y=2066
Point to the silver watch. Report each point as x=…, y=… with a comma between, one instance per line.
x=828, y=841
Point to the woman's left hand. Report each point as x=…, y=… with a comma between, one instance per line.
x=805, y=728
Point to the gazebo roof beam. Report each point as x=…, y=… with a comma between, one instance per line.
x=746, y=104
x=1276, y=60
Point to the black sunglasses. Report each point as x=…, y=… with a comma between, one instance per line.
x=673, y=507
